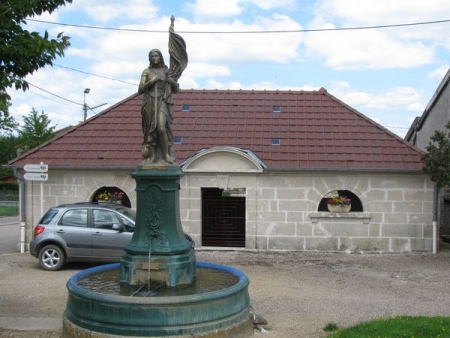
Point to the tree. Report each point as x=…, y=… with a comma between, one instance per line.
x=437, y=160
x=35, y=130
x=7, y=122
x=23, y=52
x=8, y=144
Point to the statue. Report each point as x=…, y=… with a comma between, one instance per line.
x=158, y=83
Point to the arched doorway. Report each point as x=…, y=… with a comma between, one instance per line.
x=111, y=194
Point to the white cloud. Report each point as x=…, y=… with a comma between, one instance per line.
x=406, y=98
x=116, y=10
x=439, y=73
x=208, y=8
x=271, y=4
x=371, y=49
x=241, y=47
x=400, y=47
x=382, y=12
x=202, y=69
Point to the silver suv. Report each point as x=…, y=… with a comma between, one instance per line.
x=82, y=232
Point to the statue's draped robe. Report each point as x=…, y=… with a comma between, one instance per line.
x=163, y=94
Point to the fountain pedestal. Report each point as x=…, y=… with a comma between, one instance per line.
x=159, y=252
x=159, y=249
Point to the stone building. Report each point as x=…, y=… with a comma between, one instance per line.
x=435, y=117
x=258, y=168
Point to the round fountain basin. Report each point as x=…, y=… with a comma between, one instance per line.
x=204, y=312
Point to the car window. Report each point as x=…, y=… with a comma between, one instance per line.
x=130, y=213
x=128, y=224
x=74, y=217
x=49, y=215
x=104, y=218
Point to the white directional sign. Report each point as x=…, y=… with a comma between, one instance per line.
x=35, y=177
x=36, y=168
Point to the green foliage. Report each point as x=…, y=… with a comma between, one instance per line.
x=398, y=327
x=23, y=52
x=9, y=190
x=8, y=145
x=8, y=211
x=7, y=122
x=330, y=327
x=437, y=160
x=35, y=130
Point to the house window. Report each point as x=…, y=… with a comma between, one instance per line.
x=177, y=140
x=276, y=141
x=356, y=202
x=186, y=107
x=276, y=109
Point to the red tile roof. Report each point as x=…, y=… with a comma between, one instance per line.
x=316, y=132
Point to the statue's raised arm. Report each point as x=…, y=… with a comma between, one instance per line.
x=158, y=83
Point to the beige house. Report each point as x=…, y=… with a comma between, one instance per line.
x=258, y=169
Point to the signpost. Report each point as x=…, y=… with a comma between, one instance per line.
x=36, y=168
x=35, y=177
x=37, y=172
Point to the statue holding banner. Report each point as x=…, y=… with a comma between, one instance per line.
x=158, y=83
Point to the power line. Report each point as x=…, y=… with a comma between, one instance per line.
x=101, y=76
x=46, y=97
x=248, y=32
x=60, y=97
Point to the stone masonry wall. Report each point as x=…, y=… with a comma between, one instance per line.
x=282, y=211
x=281, y=208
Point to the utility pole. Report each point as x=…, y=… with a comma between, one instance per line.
x=85, y=106
x=86, y=91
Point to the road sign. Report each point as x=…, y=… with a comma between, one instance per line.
x=36, y=168
x=35, y=177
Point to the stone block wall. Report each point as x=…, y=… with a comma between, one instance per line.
x=281, y=208
x=282, y=211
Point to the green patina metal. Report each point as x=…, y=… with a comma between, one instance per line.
x=210, y=314
x=158, y=241
x=158, y=252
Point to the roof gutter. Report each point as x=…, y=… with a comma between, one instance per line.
x=131, y=168
x=128, y=168
x=22, y=210
x=435, y=218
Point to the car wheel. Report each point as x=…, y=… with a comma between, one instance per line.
x=51, y=257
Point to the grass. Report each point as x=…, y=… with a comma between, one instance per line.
x=8, y=211
x=330, y=327
x=398, y=327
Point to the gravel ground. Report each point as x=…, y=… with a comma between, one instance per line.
x=298, y=293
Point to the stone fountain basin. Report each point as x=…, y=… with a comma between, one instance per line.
x=225, y=312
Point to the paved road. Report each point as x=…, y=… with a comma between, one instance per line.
x=9, y=235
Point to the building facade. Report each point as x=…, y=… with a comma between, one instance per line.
x=255, y=177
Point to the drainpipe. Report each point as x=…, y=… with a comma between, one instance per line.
x=22, y=210
x=435, y=217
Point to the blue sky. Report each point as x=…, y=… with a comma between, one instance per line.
x=388, y=74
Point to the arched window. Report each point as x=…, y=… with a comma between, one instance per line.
x=356, y=202
x=111, y=194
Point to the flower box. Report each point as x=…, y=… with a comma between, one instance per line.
x=339, y=207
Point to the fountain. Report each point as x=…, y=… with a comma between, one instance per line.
x=158, y=289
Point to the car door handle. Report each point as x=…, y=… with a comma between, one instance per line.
x=97, y=233
x=60, y=231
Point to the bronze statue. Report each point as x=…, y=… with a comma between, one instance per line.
x=158, y=83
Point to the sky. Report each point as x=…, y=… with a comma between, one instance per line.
x=388, y=73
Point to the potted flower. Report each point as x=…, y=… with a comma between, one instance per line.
x=339, y=204
x=108, y=196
